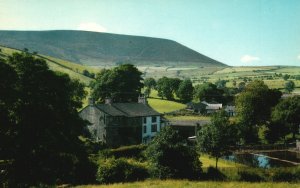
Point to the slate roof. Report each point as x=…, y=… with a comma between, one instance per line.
x=128, y=109
x=212, y=106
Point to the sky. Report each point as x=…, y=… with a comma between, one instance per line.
x=235, y=32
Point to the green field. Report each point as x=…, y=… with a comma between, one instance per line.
x=187, y=117
x=164, y=106
x=212, y=74
x=72, y=69
x=193, y=184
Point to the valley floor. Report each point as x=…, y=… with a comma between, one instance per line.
x=193, y=184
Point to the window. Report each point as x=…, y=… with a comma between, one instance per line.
x=154, y=128
x=145, y=129
x=153, y=119
x=144, y=120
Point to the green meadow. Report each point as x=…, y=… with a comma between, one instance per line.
x=193, y=184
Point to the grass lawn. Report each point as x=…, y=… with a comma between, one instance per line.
x=187, y=117
x=208, y=161
x=163, y=106
x=193, y=184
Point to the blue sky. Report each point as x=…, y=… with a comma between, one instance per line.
x=235, y=32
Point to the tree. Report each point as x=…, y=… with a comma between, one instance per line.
x=253, y=107
x=217, y=137
x=88, y=74
x=121, y=84
x=241, y=86
x=8, y=96
x=164, y=88
x=44, y=125
x=289, y=86
x=185, y=90
x=170, y=157
x=149, y=84
x=208, y=92
x=286, y=115
x=221, y=84
x=286, y=77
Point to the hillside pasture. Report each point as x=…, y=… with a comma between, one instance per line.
x=55, y=64
x=165, y=106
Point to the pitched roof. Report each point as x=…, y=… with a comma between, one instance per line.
x=212, y=106
x=127, y=109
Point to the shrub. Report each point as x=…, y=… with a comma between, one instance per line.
x=286, y=175
x=251, y=175
x=134, y=151
x=119, y=170
x=214, y=174
x=170, y=157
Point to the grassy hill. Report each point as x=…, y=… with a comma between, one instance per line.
x=55, y=64
x=92, y=48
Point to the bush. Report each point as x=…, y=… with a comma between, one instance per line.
x=134, y=151
x=119, y=170
x=286, y=175
x=251, y=176
x=214, y=174
x=170, y=157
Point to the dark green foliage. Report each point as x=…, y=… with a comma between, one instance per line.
x=185, y=90
x=286, y=77
x=217, y=137
x=43, y=124
x=119, y=170
x=241, y=86
x=214, y=174
x=133, y=151
x=208, y=92
x=170, y=157
x=286, y=115
x=253, y=107
x=250, y=176
x=286, y=175
x=149, y=84
x=289, y=86
x=167, y=87
x=121, y=84
x=88, y=74
x=221, y=84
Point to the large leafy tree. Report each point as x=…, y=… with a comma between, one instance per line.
x=44, y=126
x=208, y=92
x=289, y=86
x=8, y=96
x=166, y=87
x=121, y=84
x=170, y=157
x=185, y=90
x=286, y=117
x=217, y=137
x=149, y=84
x=253, y=107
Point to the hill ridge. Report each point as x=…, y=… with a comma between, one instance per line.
x=93, y=48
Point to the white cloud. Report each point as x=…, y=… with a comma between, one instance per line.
x=249, y=58
x=298, y=57
x=91, y=26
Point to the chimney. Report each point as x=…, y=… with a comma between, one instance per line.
x=91, y=101
x=108, y=100
x=142, y=99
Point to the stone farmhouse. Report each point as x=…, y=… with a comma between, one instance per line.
x=118, y=124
